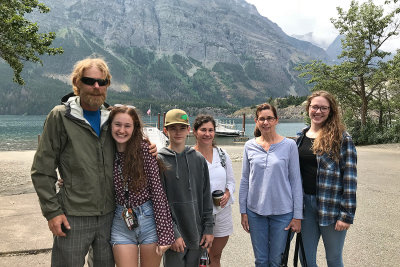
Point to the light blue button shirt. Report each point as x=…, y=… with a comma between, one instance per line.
x=271, y=181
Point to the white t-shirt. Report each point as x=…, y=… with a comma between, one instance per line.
x=221, y=178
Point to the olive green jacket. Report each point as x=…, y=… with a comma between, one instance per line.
x=84, y=161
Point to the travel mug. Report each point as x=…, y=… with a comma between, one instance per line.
x=217, y=196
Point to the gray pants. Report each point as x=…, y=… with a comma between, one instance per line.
x=188, y=258
x=85, y=231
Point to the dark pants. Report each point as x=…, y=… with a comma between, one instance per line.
x=188, y=258
x=85, y=231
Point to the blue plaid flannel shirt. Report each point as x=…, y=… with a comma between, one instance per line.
x=336, y=183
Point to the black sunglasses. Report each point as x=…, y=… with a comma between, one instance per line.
x=91, y=81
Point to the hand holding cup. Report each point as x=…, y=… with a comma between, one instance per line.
x=217, y=196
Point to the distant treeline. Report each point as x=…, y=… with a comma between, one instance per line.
x=284, y=102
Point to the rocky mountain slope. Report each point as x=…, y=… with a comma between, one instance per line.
x=180, y=52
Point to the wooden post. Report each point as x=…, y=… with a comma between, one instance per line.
x=158, y=121
x=244, y=124
x=164, y=119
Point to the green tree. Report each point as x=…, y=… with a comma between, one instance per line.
x=19, y=38
x=393, y=89
x=362, y=75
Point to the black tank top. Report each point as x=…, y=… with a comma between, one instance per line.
x=308, y=166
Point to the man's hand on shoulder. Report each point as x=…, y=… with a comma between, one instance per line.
x=153, y=149
x=55, y=225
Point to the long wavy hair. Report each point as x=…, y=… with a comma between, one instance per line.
x=260, y=108
x=200, y=120
x=331, y=135
x=133, y=155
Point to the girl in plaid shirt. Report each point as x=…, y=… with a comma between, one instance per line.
x=328, y=161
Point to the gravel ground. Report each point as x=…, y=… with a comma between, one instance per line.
x=15, y=169
x=373, y=240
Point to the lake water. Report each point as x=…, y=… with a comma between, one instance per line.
x=21, y=132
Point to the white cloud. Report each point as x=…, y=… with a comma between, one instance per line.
x=304, y=16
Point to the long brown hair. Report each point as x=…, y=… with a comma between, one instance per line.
x=331, y=135
x=260, y=108
x=133, y=155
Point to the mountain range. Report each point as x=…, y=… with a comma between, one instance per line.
x=187, y=53
x=312, y=38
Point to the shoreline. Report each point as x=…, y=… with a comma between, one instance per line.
x=15, y=172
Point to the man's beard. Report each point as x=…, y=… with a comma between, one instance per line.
x=93, y=100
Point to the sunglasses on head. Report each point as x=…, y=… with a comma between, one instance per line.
x=121, y=106
x=91, y=81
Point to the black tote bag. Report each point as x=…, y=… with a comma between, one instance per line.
x=285, y=254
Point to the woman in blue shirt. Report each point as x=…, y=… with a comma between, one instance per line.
x=270, y=195
x=328, y=162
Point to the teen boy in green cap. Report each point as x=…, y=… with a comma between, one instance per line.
x=187, y=185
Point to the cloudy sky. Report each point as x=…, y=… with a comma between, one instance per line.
x=304, y=16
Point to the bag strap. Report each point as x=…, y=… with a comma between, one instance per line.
x=222, y=157
x=299, y=244
x=126, y=185
x=285, y=254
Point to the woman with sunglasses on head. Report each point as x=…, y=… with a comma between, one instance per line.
x=221, y=181
x=328, y=161
x=142, y=219
x=270, y=195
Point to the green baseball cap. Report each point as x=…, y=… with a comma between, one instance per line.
x=175, y=116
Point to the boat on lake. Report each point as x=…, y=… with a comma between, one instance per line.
x=156, y=136
x=226, y=129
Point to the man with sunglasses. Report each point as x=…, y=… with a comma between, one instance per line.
x=77, y=142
